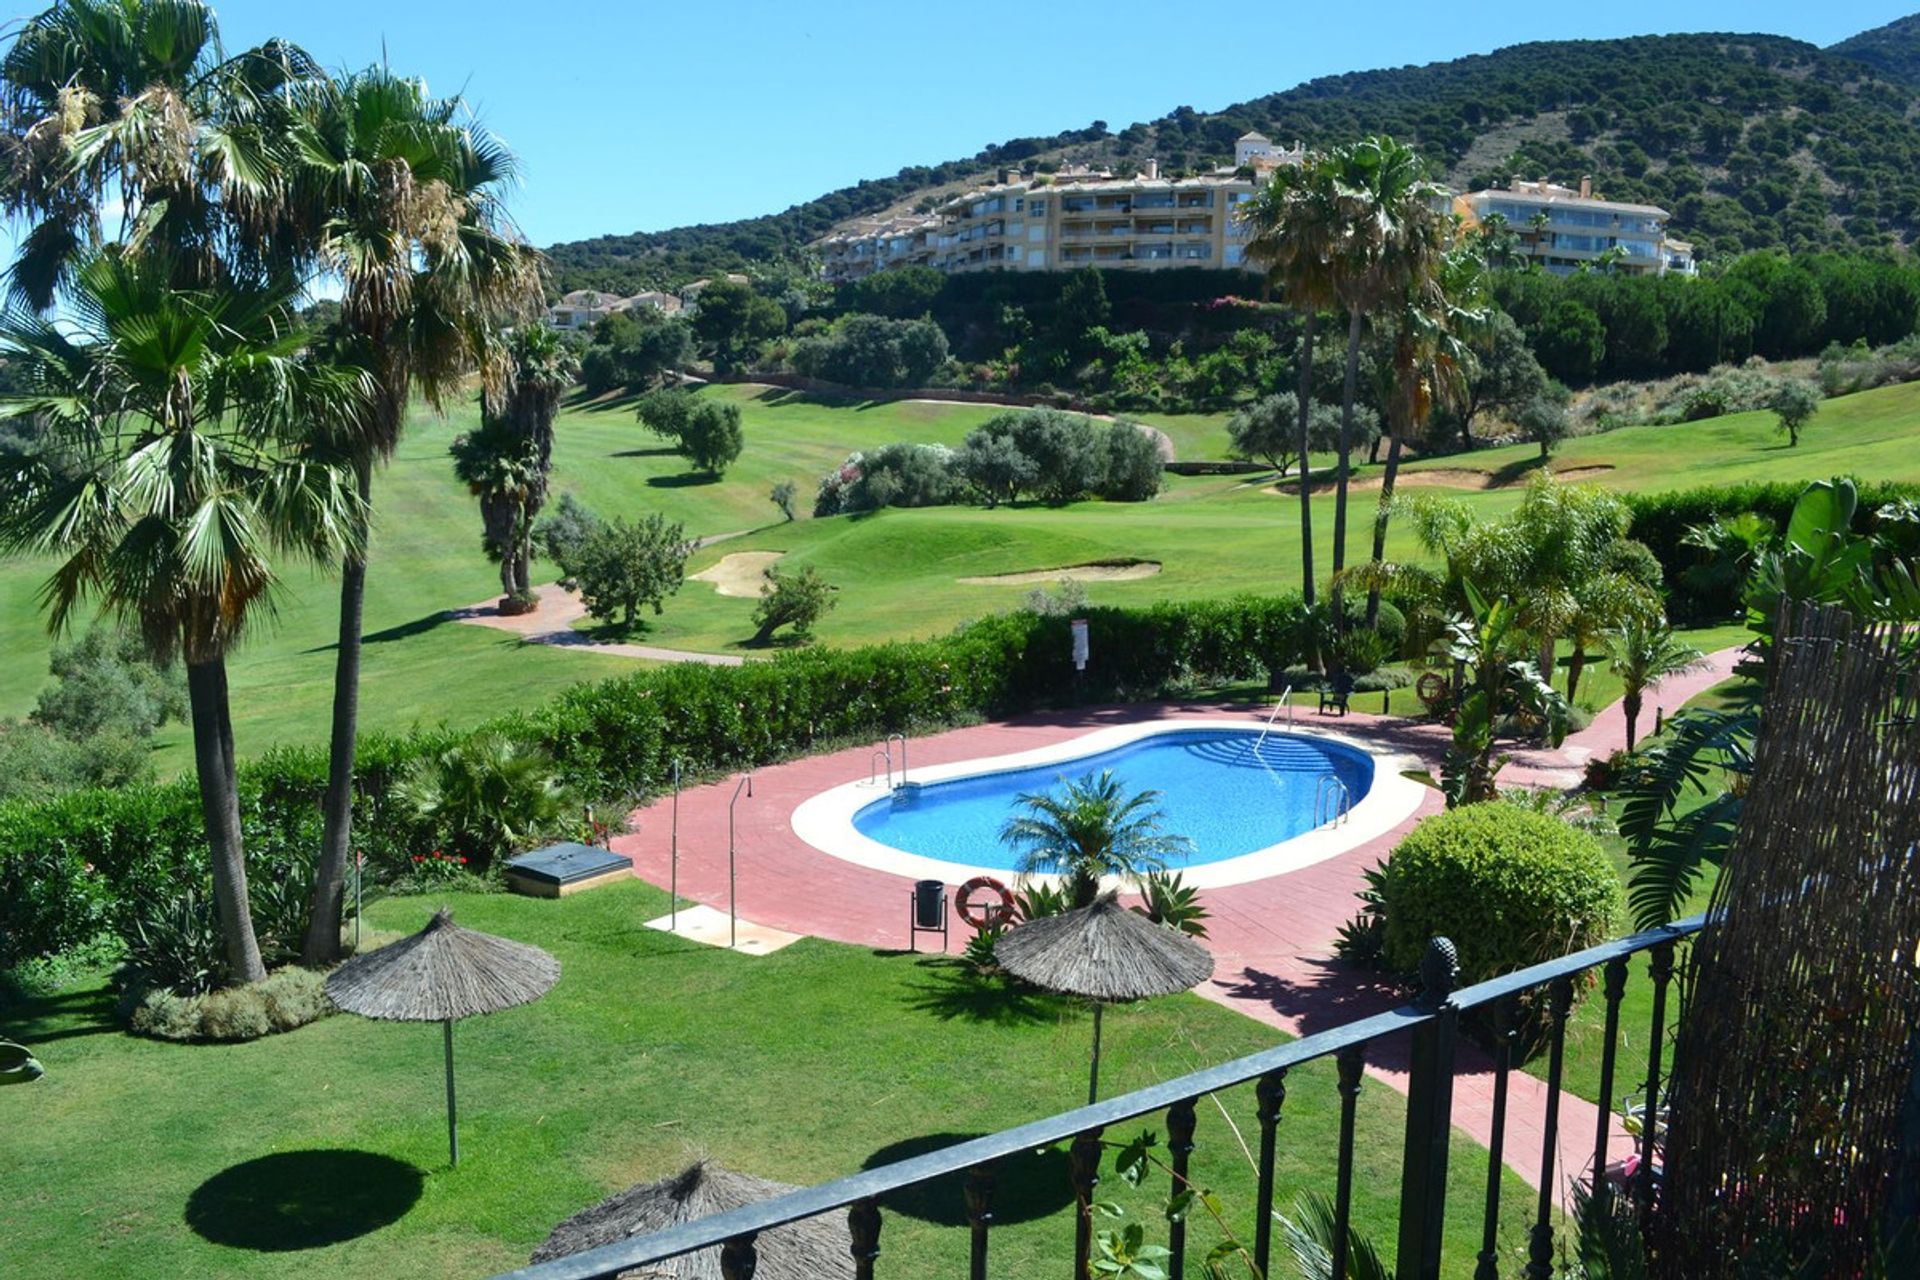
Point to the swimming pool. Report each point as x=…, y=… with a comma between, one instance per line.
x=1231, y=791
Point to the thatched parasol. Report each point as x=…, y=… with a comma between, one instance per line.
x=442, y=974
x=1105, y=953
x=819, y=1248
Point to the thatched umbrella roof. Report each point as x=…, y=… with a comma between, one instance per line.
x=1104, y=952
x=442, y=973
x=819, y=1248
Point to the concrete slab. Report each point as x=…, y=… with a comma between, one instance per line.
x=708, y=925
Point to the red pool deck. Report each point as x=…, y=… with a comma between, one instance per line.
x=1271, y=939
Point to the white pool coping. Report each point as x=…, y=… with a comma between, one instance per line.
x=825, y=821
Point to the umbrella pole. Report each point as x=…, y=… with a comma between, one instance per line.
x=453, y=1133
x=1093, y=1081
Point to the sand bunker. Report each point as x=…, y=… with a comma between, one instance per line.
x=1099, y=571
x=1439, y=478
x=743, y=573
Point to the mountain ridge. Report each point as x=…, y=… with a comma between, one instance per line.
x=1752, y=140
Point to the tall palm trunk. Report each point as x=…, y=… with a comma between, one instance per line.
x=1382, y=516
x=322, y=943
x=1306, y=492
x=1576, y=664
x=1348, y=393
x=1631, y=705
x=213, y=760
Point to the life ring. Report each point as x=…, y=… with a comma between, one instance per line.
x=1432, y=688
x=983, y=916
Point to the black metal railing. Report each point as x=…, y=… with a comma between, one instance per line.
x=1433, y=1023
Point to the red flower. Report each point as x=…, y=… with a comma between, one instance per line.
x=463, y=859
x=418, y=858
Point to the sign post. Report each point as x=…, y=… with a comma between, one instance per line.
x=1079, y=644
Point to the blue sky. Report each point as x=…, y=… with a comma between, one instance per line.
x=642, y=115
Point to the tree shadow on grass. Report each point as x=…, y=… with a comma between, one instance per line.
x=42, y=1019
x=302, y=1199
x=953, y=992
x=1515, y=471
x=1026, y=1187
x=683, y=480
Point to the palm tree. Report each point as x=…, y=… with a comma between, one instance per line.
x=1386, y=240
x=507, y=462
x=1293, y=233
x=400, y=200
x=1090, y=830
x=485, y=795
x=132, y=102
x=1428, y=360
x=172, y=468
x=1643, y=653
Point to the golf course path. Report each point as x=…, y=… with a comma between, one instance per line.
x=1272, y=939
x=552, y=623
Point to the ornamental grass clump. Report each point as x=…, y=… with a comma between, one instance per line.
x=285, y=999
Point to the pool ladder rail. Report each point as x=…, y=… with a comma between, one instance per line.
x=1284, y=704
x=1332, y=801
x=884, y=756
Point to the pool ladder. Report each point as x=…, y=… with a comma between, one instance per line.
x=1284, y=704
x=1332, y=801
x=884, y=758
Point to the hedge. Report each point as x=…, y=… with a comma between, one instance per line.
x=1510, y=887
x=76, y=866
x=1662, y=520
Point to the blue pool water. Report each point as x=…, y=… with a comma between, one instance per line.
x=1224, y=789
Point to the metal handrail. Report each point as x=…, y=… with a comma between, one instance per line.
x=903, y=757
x=873, y=774
x=873, y=1184
x=733, y=880
x=1332, y=799
x=1286, y=701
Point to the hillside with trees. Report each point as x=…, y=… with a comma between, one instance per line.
x=1753, y=141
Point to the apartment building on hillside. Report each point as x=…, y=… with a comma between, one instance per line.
x=1564, y=228
x=584, y=308
x=1077, y=217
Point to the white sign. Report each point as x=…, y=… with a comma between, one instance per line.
x=1079, y=644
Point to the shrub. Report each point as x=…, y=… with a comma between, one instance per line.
x=1133, y=468
x=286, y=999
x=1509, y=886
x=872, y=351
x=620, y=567
x=666, y=411
x=711, y=437
x=486, y=796
x=902, y=475
x=796, y=600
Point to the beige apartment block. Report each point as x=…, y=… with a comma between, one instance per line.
x=1074, y=218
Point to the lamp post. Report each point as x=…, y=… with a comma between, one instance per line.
x=733, y=909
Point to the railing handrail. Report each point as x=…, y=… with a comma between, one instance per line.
x=872, y=1184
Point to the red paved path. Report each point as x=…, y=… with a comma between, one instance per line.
x=1271, y=939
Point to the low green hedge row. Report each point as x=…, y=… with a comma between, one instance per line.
x=1698, y=589
x=78, y=866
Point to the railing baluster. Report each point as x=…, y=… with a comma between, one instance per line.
x=1540, y=1247
x=738, y=1259
x=1429, y=1140
x=1269, y=1095
x=1352, y=1061
x=980, y=1218
x=1615, y=987
x=1503, y=1035
x=863, y=1224
x=1661, y=969
x=1180, y=1126
x=1083, y=1161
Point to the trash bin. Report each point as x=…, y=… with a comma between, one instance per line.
x=929, y=904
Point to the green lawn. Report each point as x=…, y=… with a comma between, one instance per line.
x=895, y=572
x=800, y=1066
